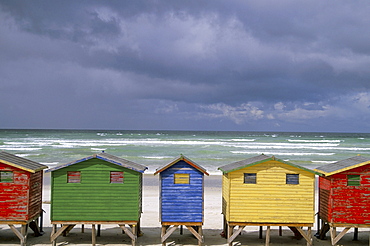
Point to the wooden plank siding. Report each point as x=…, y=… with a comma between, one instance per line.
x=95, y=198
x=35, y=194
x=181, y=202
x=225, y=194
x=348, y=204
x=270, y=200
x=14, y=195
x=324, y=198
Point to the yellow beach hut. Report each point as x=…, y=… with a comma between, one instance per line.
x=265, y=191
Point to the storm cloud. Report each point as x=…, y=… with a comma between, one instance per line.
x=185, y=65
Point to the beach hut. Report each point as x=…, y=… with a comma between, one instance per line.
x=265, y=191
x=98, y=189
x=344, y=196
x=181, y=197
x=20, y=193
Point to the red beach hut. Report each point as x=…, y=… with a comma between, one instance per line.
x=20, y=193
x=344, y=195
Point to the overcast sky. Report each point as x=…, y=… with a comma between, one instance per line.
x=185, y=65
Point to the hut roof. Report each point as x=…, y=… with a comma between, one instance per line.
x=21, y=163
x=109, y=158
x=343, y=165
x=182, y=158
x=257, y=160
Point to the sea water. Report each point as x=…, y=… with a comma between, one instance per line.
x=210, y=149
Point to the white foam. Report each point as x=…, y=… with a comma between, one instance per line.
x=156, y=157
x=98, y=149
x=50, y=164
x=24, y=155
x=326, y=162
x=19, y=148
x=243, y=140
x=280, y=153
x=314, y=141
x=312, y=146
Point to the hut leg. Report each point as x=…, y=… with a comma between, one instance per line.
x=134, y=232
x=82, y=228
x=318, y=226
x=139, y=232
x=53, y=231
x=355, y=234
x=195, y=231
x=200, y=232
x=93, y=235
x=230, y=231
x=333, y=234
x=280, y=231
x=224, y=232
x=21, y=235
x=181, y=230
x=267, y=236
x=163, y=232
x=309, y=235
x=24, y=234
x=260, y=233
x=41, y=224
x=335, y=238
x=99, y=227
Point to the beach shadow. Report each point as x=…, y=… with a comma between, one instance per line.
x=112, y=236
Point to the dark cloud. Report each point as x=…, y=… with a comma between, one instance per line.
x=235, y=65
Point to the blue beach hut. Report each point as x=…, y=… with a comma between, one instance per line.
x=181, y=197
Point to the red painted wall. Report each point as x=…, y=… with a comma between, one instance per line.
x=14, y=197
x=340, y=203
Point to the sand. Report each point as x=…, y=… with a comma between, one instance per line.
x=112, y=235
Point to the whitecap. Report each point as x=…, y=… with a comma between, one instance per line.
x=314, y=141
x=326, y=162
x=280, y=153
x=19, y=148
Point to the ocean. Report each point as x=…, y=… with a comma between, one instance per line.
x=210, y=149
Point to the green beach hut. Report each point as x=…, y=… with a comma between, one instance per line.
x=98, y=189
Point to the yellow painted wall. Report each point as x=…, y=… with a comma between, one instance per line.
x=225, y=193
x=271, y=199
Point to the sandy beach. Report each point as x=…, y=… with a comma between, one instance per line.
x=112, y=235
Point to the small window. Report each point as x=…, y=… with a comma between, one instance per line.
x=74, y=177
x=292, y=179
x=182, y=178
x=6, y=177
x=353, y=180
x=116, y=177
x=250, y=178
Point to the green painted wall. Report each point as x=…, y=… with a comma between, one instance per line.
x=95, y=198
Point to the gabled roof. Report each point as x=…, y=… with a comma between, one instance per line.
x=257, y=160
x=109, y=158
x=343, y=165
x=182, y=158
x=21, y=163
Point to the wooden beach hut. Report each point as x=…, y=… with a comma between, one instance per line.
x=344, y=196
x=265, y=191
x=20, y=193
x=181, y=197
x=98, y=189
